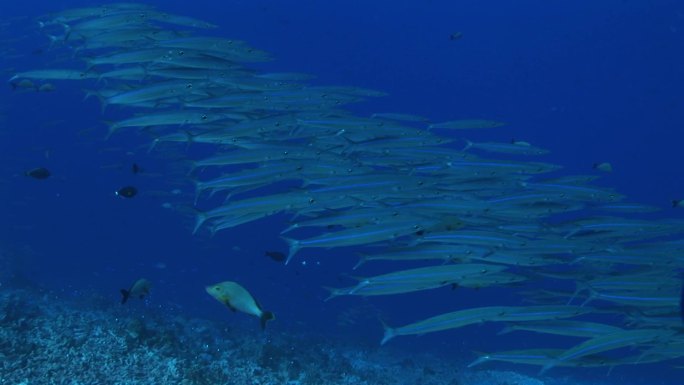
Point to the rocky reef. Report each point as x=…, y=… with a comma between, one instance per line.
x=45, y=339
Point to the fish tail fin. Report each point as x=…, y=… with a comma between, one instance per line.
x=294, y=247
x=153, y=144
x=199, y=189
x=98, y=95
x=468, y=146
x=111, y=128
x=482, y=357
x=334, y=292
x=362, y=260
x=67, y=31
x=590, y=297
x=125, y=294
x=192, y=167
x=54, y=40
x=389, y=333
x=99, y=79
x=200, y=218
x=265, y=317
x=546, y=367
x=579, y=287
x=290, y=228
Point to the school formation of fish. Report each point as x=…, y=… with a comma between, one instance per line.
x=474, y=216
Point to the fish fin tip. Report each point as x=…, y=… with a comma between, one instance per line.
x=293, y=248
x=265, y=317
x=200, y=218
x=389, y=333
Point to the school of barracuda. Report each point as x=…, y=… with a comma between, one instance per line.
x=476, y=218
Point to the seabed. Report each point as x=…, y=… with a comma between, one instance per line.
x=45, y=339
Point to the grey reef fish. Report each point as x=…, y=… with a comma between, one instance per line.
x=139, y=289
x=237, y=298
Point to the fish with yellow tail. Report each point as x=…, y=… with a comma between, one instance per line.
x=237, y=298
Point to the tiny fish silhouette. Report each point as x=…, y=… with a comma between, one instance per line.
x=127, y=192
x=275, y=255
x=38, y=173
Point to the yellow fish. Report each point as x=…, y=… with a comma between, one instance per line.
x=140, y=289
x=237, y=298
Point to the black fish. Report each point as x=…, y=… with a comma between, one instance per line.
x=38, y=173
x=275, y=255
x=135, y=168
x=127, y=192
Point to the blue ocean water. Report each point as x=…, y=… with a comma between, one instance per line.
x=591, y=81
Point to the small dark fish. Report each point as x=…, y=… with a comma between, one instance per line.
x=127, y=192
x=135, y=168
x=456, y=36
x=38, y=173
x=276, y=255
x=677, y=203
